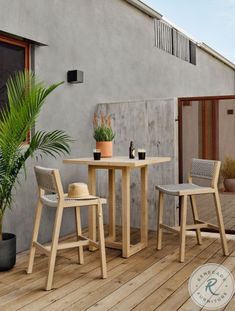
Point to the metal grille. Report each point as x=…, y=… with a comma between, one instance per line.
x=163, y=36
x=181, y=46
x=174, y=42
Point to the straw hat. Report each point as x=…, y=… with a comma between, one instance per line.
x=79, y=191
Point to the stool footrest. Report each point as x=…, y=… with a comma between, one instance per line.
x=84, y=242
x=89, y=241
x=199, y=225
x=44, y=249
x=173, y=229
x=72, y=244
x=209, y=225
x=196, y=226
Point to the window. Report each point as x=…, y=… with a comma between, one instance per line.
x=14, y=56
x=174, y=42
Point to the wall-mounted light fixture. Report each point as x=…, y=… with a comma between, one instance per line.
x=75, y=76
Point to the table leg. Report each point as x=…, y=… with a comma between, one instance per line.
x=112, y=205
x=125, y=212
x=144, y=206
x=92, y=209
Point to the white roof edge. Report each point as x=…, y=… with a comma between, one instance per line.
x=152, y=13
x=202, y=45
x=182, y=31
x=145, y=8
x=217, y=55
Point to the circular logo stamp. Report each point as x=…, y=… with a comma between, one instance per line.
x=211, y=286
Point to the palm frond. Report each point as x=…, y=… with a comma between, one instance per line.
x=26, y=96
x=52, y=143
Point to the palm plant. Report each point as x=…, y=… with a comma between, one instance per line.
x=26, y=96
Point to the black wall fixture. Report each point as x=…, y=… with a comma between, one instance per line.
x=75, y=76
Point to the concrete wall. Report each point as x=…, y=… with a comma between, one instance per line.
x=113, y=43
x=154, y=128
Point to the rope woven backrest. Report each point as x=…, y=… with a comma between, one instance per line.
x=45, y=178
x=205, y=169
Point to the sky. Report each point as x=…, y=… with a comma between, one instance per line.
x=208, y=21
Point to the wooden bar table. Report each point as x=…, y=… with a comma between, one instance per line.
x=125, y=165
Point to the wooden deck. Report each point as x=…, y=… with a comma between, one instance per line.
x=149, y=280
x=206, y=209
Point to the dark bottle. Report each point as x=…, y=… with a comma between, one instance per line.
x=131, y=151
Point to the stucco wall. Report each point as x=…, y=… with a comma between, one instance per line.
x=113, y=43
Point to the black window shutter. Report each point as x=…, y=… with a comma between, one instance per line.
x=192, y=52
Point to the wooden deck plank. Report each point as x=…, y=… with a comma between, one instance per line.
x=229, y=263
x=182, y=294
x=171, y=280
x=189, y=304
x=71, y=292
x=231, y=305
x=18, y=276
x=159, y=260
x=148, y=280
x=206, y=209
x=163, y=269
x=65, y=273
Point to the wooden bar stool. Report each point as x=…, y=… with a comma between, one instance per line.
x=51, y=194
x=203, y=169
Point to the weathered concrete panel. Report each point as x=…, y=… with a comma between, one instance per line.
x=151, y=125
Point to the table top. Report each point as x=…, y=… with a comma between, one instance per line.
x=118, y=161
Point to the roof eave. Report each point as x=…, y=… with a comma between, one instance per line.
x=145, y=8
x=217, y=55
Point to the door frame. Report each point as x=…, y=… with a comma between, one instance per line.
x=187, y=100
x=181, y=101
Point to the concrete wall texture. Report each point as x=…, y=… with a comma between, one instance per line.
x=156, y=131
x=113, y=43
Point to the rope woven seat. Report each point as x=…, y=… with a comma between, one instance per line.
x=202, y=169
x=52, y=200
x=182, y=189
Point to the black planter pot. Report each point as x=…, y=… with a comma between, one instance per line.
x=7, y=251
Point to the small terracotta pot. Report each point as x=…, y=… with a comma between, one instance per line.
x=106, y=148
x=229, y=184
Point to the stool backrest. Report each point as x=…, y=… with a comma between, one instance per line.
x=49, y=180
x=206, y=169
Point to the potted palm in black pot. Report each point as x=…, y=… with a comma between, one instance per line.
x=26, y=96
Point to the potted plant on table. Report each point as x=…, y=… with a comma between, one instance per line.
x=103, y=134
x=26, y=96
x=228, y=173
